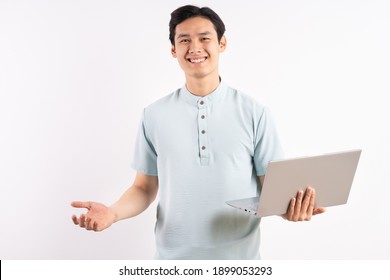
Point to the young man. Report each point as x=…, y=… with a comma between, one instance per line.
x=200, y=146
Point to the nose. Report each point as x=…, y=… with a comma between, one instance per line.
x=195, y=47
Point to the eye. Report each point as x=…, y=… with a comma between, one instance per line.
x=184, y=41
x=205, y=39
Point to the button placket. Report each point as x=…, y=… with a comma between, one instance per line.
x=202, y=132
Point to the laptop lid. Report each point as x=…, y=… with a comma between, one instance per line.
x=331, y=175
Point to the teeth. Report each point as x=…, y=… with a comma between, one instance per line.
x=198, y=60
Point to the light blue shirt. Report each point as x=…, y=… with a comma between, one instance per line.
x=205, y=151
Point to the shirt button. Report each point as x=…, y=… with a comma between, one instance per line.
x=201, y=102
x=202, y=116
x=203, y=131
x=203, y=148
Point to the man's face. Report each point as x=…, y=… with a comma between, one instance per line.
x=197, y=48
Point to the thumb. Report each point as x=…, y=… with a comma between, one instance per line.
x=81, y=204
x=319, y=210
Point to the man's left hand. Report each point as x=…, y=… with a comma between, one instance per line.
x=302, y=207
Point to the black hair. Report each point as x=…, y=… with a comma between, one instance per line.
x=185, y=12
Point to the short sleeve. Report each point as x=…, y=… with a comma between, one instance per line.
x=267, y=144
x=145, y=156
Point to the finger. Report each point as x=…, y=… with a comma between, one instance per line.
x=88, y=223
x=81, y=204
x=291, y=207
x=82, y=221
x=75, y=220
x=306, y=200
x=95, y=226
x=309, y=212
x=312, y=200
x=298, y=205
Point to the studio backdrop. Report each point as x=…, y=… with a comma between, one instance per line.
x=76, y=75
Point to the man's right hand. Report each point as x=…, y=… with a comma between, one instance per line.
x=98, y=217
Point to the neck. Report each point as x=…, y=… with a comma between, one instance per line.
x=202, y=86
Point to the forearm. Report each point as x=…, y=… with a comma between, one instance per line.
x=133, y=202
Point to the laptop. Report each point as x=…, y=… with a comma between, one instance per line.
x=331, y=175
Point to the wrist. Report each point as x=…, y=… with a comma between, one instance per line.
x=115, y=214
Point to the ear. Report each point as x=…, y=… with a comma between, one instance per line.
x=222, y=44
x=173, y=51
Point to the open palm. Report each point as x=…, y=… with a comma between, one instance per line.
x=98, y=217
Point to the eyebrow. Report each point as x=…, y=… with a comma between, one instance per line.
x=184, y=35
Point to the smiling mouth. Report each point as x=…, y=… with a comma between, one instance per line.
x=197, y=60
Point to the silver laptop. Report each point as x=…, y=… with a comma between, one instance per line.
x=331, y=175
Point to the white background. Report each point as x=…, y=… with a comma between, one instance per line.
x=75, y=76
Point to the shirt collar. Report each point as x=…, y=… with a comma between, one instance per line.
x=208, y=99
